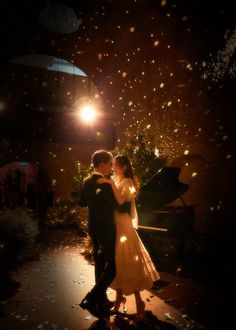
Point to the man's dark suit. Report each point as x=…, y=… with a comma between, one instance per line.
x=100, y=200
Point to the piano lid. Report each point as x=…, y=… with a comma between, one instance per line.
x=163, y=188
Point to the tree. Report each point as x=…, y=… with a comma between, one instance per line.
x=146, y=159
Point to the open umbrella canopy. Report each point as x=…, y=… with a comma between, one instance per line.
x=48, y=63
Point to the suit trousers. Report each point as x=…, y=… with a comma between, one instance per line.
x=105, y=267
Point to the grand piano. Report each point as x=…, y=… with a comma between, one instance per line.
x=158, y=218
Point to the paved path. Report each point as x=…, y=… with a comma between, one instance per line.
x=52, y=287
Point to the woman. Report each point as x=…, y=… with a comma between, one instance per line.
x=134, y=268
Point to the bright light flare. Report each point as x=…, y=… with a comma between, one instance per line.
x=88, y=113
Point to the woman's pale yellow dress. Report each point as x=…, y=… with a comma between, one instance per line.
x=135, y=270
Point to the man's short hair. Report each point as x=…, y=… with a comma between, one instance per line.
x=101, y=156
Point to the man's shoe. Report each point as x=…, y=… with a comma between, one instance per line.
x=91, y=307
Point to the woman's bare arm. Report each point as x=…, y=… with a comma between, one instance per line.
x=119, y=197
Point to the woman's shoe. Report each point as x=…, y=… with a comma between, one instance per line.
x=140, y=305
x=118, y=302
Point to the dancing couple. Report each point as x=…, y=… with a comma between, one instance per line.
x=121, y=260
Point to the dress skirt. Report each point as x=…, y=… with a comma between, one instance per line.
x=135, y=270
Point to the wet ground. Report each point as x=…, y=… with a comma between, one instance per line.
x=51, y=288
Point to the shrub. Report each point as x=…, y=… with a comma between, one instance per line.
x=18, y=233
x=65, y=214
x=19, y=229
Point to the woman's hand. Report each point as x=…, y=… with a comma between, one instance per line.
x=104, y=180
x=119, y=198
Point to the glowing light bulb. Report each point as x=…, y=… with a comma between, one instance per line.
x=87, y=113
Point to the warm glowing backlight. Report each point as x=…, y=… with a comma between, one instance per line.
x=88, y=113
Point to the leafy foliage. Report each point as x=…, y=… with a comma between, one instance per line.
x=19, y=229
x=65, y=214
x=19, y=226
x=144, y=159
x=82, y=171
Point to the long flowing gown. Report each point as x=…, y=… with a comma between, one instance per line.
x=135, y=270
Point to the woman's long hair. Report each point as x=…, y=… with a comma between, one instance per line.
x=129, y=172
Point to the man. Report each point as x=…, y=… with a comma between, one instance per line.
x=101, y=202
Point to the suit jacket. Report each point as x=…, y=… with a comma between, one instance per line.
x=101, y=202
